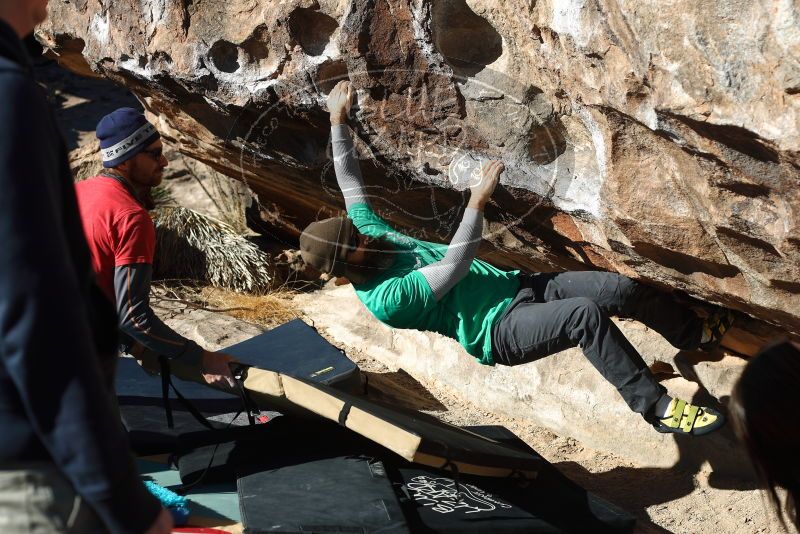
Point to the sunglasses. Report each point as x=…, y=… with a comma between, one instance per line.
x=155, y=153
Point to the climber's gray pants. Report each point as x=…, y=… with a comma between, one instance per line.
x=555, y=311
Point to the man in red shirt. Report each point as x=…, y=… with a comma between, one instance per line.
x=122, y=237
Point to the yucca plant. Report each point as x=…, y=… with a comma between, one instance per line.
x=193, y=246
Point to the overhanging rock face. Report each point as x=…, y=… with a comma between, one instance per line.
x=658, y=140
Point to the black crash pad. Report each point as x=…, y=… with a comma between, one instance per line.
x=142, y=411
x=437, y=501
x=415, y=436
x=149, y=434
x=293, y=349
x=338, y=483
x=412, y=435
x=296, y=349
x=340, y=494
x=271, y=445
x=135, y=386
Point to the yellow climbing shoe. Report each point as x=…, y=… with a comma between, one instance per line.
x=685, y=418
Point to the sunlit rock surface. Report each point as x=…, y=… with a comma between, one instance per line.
x=657, y=139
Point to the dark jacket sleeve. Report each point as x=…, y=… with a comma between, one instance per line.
x=45, y=341
x=137, y=319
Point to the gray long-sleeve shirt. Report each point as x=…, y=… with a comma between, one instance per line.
x=441, y=275
x=137, y=319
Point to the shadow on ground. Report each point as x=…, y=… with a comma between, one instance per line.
x=637, y=489
x=401, y=389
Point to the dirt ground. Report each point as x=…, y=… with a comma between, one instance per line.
x=682, y=499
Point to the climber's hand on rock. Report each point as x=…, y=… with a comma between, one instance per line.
x=340, y=100
x=486, y=181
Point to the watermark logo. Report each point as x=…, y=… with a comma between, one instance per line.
x=422, y=149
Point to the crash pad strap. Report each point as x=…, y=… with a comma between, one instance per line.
x=166, y=383
x=239, y=375
x=344, y=413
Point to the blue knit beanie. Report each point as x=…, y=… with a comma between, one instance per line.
x=123, y=134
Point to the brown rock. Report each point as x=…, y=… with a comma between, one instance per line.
x=663, y=143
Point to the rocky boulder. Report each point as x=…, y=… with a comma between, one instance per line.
x=659, y=140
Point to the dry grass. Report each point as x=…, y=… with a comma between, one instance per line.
x=268, y=310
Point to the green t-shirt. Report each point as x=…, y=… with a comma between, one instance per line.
x=401, y=297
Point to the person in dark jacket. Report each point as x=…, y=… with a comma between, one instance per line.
x=65, y=464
